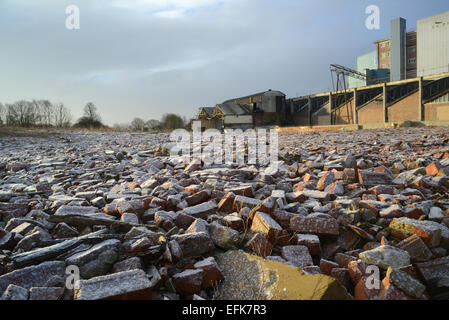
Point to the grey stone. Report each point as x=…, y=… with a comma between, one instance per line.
x=132, y=284
x=386, y=256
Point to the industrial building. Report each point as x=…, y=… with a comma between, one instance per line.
x=407, y=55
x=433, y=45
x=394, y=59
x=406, y=78
x=424, y=99
x=233, y=116
x=260, y=109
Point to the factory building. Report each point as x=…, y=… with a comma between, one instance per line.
x=406, y=78
x=265, y=108
x=368, y=65
x=407, y=55
x=205, y=116
x=433, y=45
x=233, y=116
x=394, y=59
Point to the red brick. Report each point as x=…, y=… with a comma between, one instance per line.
x=266, y=225
x=198, y=198
x=343, y=259
x=246, y=191
x=312, y=242
x=361, y=292
x=357, y=270
x=342, y=275
x=260, y=245
x=373, y=178
x=189, y=281
x=212, y=273
x=314, y=223
x=433, y=169
x=326, y=266
x=298, y=255
x=226, y=204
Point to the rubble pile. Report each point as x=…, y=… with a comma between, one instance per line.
x=341, y=215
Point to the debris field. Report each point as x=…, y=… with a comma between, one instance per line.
x=341, y=215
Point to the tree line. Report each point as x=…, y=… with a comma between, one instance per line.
x=35, y=113
x=169, y=121
x=43, y=113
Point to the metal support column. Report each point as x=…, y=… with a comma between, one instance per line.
x=309, y=110
x=420, y=100
x=384, y=102
x=355, y=116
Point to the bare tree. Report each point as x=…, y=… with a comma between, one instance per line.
x=120, y=126
x=138, y=124
x=2, y=114
x=172, y=121
x=153, y=124
x=46, y=111
x=90, y=112
x=62, y=116
x=22, y=113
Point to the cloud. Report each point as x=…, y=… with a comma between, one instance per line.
x=147, y=57
x=171, y=9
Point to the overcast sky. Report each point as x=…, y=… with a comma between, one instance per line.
x=149, y=57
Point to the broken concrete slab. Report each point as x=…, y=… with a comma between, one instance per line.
x=248, y=277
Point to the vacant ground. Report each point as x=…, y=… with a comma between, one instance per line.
x=137, y=223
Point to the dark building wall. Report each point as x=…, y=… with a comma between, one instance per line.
x=301, y=118
x=411, y=55
x=322, y=117
x=211, y=124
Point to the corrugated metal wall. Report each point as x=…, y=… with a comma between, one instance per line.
x=441, y=99
x=433, y=45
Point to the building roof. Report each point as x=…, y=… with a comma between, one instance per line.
x=274, y=92
x=233, y=109
x=207, y=110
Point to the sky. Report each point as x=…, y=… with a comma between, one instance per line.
x=145, y=58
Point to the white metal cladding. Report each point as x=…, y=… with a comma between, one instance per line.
x=238, y=119
x=433, y=45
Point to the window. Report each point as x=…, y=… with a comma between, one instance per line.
x=412, y=60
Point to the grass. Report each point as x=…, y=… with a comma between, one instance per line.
x=7, y=132
x=44, y=132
